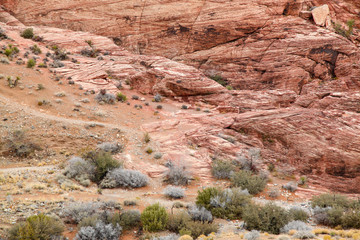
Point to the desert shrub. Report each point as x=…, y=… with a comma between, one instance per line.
x=174, y=192
x=268, y=218
x=298, y=214
x=4, y=60
x=90, y=52
x=111, y=147
x=157, y=98
x=177, y=175
x=303, y=180
x=274, y=193
x=10, y=51
x=124, y=178
x=37, y=227
x=105, y=97
x=78, y=167
x=253, y=235
x=351, y=219
x=28, y=33
x=31, y=63
x=76, y=211
x=328, y=216
x=304, y=235
x=331, y=200
x=200, y=214
x=321, y=216
x=99, y=231
x=244, y=179
x=230, y=203
x=290, y=186
x=147, y=138
x=204, y=196
x=154, y=218
x=249, y=159
x=219, y=79
x=103, y=162
x=295, y=225
x=171, y=236
x=19, y=145
x=35, y=49
x=121, y=97
x=222, y=169
x=130, y=203
x=195, y=229
x=91, y=220
x=130, y=219
x=177, y=221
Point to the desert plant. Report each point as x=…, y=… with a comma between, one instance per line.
x=99, y=231
x=121, y=97
x=171, y=236
x=177, y=175
x=177, y=221
x=37, y=227
x=200, y=214
x=79, y=167
x=74, y=212
x=35, y=49
x=124, y=178
x=28, y=33
x=244, y=179
x=111, y=147
x=219, y=79
x=298, y=214
x=304, y=235
x=154, y=218
x=174, y=192
x=295, y=225
x=269, y=218
x=130, y=219
x=303, y=180
x=351, y=219
x=222, y=169
x=204, y=196
x=31, y=63
x=11, y=50
x=274, y=193
x=20, y=145
x=103, y=162
x=149, y=150
x=157, y=98
x=331, y=200
x=249, y=159
x=290, y=186
x=146, y=137
x=105, y=97
x=130, y=203
x=195, y=229
x=253, y=235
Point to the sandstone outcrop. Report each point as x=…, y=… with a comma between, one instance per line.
x=297, y=84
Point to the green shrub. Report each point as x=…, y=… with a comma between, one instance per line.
x=11, y=50
x=335, y=215
x=331, y=200
x=28, y=33
x=268, y=218
x=37, y=227
x=244, y=179
x=127, y=220
x=35, y=49
x=204, y=196
x=351, y=219
x=103, y=162
x=222, y=169
x=121, y=97
x=31, y=63
x=219, y=79
x=297, y=214
x=177, y=221
x=154, y=218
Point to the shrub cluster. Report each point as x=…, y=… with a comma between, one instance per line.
x=336, y=210
x=111, y=147
x=124, y=178
x=19, y=145
x=246, y=180
x=228, y=203
x=296, y=225
x=27, y=33
x=101, y=230
x=37, y=227
x=267, y=218
x=222, y=169
x=105, y=97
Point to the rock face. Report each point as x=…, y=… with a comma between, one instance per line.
x=320, y=14
x=297, y=83
x=254, y=45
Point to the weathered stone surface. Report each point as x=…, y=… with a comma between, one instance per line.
x=320, y=14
